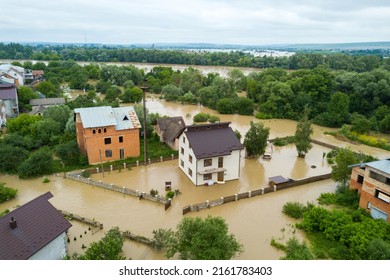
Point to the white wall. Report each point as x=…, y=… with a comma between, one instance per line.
x=187, y=151
x=55, y=250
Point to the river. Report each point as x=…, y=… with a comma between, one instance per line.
x=253, y=221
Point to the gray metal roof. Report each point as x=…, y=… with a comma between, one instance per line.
x=381, y=165
x=47, y=101
x=122, y=117
x=37, y=224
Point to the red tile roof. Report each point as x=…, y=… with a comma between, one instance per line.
x=37, y=224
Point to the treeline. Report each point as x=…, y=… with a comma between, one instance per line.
x=334, y=61
x=334, y=98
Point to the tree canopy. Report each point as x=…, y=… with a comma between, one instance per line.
x=255, y=140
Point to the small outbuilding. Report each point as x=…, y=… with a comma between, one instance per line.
x=278, y=180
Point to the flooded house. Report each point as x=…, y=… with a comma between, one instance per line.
x=34, y=231
x=372, y=181
x=107, y=134
x=210, y=153
x=169, y=130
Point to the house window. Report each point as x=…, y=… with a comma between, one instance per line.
x=207, y=177
x=184, y=139
x=220, y=162
x=120, y=139
x=182, y=163
x=104, y=130
x=93, y=131
x=382, y=196
x=190, y=158
x=182, y=151
x=99, y=130
x=368, y=205
x=190, y=172
x=360, y=179
x=107, y=141
x=108, y=153
x=208, y=162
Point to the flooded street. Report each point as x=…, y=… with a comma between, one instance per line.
x=254, y=221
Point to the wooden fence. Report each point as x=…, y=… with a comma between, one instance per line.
x=236, y=197
x=126, y=191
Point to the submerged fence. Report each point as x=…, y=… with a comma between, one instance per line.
x=236, y=197
x=126, y=191
x=97, y=226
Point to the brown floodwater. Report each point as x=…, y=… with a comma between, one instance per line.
x=253, y=221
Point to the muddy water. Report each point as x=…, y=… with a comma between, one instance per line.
x=254, y=221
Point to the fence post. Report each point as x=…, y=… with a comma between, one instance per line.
x=111, y=168
x=236, y=197
x=149, y=161
x=78, y=177
x=262, y=190
x=112, y=185
x=137, y=163
x=97, y=169
x=208, y=203
x=161, y=158
x=249, y=193
x=172, y=156
x=124, y=165
x=222, y=199
x=274, y=188
x=124, y=189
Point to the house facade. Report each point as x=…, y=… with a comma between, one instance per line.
x=9, y=107
x=16, y=73
x=169, y=129
x=107, y=134
x=34, y=231
x=372, y=181
x=210, y=153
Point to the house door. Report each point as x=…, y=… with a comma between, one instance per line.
x=122, y=153
x=378, y=214
x=221, y=176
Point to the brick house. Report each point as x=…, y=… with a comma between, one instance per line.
x=169, y=130
x=210, y=153
x=34, y=231
x=372, y=181
x=107, y=134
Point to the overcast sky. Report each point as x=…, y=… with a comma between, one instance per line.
x=247, y=22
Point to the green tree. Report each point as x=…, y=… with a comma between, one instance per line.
x=48, y=89
x=132, y=95
x=25, y=94
x=68, y=152
x=302, y=135
x=11, y=157
x=60, y=114
x=255, y=139
x=108, y=248
x=297, y=251
x=39, y=163
x=244, y=106
x=341, y=171
x=171, y=92
x=226, y=106
x=203, y=239
x=22, y=123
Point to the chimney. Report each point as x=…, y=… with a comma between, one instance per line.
x=12, y=223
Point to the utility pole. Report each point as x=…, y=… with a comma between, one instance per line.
x=145, y=143
x=101, y=162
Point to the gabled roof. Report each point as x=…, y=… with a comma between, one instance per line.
x=121, y=118
x=171, y=127
x=8, y=91
x=37, y=224
x=212, y=140
x=47, y=101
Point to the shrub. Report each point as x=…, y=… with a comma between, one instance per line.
x=296, y=209
x=7, y=193
x=46, y=180
x=170, y=194
x=201, y=117
x=263, y=116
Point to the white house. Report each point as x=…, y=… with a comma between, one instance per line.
x=13, y=72
x=210, y=153
x=34, y=231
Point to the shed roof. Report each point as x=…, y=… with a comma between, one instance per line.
x=171, y=127
x=47, y=101
x=212, y=140
x=37, y=224
x=278, y=180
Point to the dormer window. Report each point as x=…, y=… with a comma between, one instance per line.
x=125, y=118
